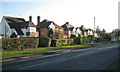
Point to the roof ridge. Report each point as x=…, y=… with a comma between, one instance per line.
x=12, y=17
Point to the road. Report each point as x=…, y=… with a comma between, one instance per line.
x=85, y=59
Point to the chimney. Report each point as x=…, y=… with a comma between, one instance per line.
x=30, y=18
x=38, y=20
x=67, y=22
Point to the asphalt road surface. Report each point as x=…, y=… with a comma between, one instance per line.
x=84, y=59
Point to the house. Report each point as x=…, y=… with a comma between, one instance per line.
x=82, y=31
x=58, y=28
x=89, y=32
x=68, y=28
x=44, y=27
x=17, y=27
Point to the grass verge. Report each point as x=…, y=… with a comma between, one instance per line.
x=37, y=51
x=41, y=51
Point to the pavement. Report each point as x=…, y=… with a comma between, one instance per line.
x=97, y=58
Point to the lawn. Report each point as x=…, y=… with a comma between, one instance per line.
x=37, y=51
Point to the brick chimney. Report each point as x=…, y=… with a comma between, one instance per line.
x=30, y=18
x=38, y=20
x=67, y=22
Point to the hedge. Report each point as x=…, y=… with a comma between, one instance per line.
x=19, y=43
x=83, y=40
x=62, y=42
x=44, y=41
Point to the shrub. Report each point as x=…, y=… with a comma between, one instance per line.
x=19, y=43
x=82, y=40
x=44, y=41
x=62, y=42
x=70, y=41
x=77, y=40
x=72, y=36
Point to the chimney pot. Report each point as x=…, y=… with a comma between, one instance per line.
x=30, y=18
x=38, y=20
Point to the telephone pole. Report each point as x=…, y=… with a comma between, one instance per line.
x=94, y=23
x=94, y=29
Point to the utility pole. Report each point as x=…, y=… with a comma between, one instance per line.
x=94, y=23
x=94, y=28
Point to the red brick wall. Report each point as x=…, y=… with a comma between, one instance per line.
x=44, y=32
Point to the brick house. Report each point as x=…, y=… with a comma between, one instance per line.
x=68, y=28
x=44, y=27
x=17, y=27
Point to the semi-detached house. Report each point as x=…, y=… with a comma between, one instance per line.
x=44, y=27
x=67, y=29
x=17, y=27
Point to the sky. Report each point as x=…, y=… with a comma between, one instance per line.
x=76, y=12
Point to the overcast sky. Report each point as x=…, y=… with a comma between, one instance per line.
x=76, y=12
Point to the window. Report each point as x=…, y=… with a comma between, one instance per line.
x=28, y=30
x=57, y=29
x=60, y=29
x=7, y=29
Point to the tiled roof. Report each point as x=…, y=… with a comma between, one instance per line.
x=18, y=23
x=67, y=26
x=13, y=19
x=45, y=23
x=57, y=26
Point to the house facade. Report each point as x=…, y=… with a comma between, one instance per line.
x=17, y=27
x=68, y=29
x=44, y=27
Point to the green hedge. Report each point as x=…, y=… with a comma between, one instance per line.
x=19, y=43
x=44, y=41
x=83, y=40
x=62, y=42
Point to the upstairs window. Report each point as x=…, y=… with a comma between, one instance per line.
x=60, y=29
x=57, y=29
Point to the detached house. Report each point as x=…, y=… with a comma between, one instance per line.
x=17, y=27
x=45, y=26
x=89, y=32
x=82, y=31
x=68, y=29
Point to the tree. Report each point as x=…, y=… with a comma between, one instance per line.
x=103, y=35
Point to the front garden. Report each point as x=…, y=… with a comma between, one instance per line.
x=22, y=47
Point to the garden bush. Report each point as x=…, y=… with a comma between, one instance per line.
x=62, y=42
x=19, y=43
x=44, y=41
x=82, y=40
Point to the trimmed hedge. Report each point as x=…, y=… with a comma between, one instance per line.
x=19, y=43
x=44, y=41
x=62, y=42
x=82, y=40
